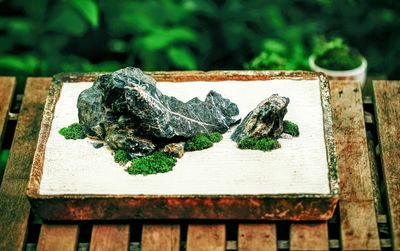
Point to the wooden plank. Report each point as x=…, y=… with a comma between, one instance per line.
x=7, y=88
x=58, y=237
x=358, y=226
x=203, y=237
x=110, y=237
x=160, y=237
x=359, y=229
x=387, y=111
x=257, y=237
x=309, y=236
x=14, y=205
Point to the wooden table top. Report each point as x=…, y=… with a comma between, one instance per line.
x=368, y=217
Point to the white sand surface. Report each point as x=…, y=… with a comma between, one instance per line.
x=299, y=166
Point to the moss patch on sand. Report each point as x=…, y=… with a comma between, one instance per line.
x=202, y=141
x=73, y=131
x=161, y=162
x=291, y=128
x=121, y=157
x=158, y=162
x=263, y=144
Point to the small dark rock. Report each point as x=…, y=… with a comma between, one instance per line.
x=266, y=120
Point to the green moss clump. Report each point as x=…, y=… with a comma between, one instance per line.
x=247, y=143
x=263, y=144
x=73, y=131
x=336, y=55
x=290, y=128
x=267, y=144
x=121, y=157
x=198, y=142
x=214, y=136
x=202, y=141
x=158, y=162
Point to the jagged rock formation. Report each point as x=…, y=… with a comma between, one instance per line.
x=266, y=120
x=126, y=109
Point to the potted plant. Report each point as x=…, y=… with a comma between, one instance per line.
x=338, y=61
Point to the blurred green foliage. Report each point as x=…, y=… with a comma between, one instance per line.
x=3, y=162
x=43, y=37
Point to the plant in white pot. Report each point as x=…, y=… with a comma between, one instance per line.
x=338, y=61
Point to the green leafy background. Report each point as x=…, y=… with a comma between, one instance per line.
x=42, y=37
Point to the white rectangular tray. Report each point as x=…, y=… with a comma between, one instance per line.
x=71, y=179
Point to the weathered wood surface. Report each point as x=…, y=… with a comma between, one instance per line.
x=58, y=237
x=160, y=237
x=387, y=111
x=257, y=237
x=110, y=237
x=7, y=88
x=359, y=230
x=202, y=237
x=14, y=205
x=309, y=236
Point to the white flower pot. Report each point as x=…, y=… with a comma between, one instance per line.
x=359, y=73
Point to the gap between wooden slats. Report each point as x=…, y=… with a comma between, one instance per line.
x=387, y=112
x=14, y=205
x=359, y=230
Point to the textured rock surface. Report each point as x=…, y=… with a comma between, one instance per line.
x=266, y=120
x=127, y=110
x=175, y=149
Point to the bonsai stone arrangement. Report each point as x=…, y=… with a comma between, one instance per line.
x=126, y=110
x=148, y=130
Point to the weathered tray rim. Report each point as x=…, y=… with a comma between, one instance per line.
x=331, y=198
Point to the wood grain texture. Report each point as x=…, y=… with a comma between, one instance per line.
x=387, y=111
x=203, y=237
x=309, y=236
x=7, y=88
x=14, y=205
x=359, y=230
x=160, y=237
x=110, y=237
x=257, y=237
x=58, y=237
x=358, y=226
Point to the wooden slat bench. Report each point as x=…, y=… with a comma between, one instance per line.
x=364, y=219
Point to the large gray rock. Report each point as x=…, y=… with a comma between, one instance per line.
x=266, y=120
x=126, y=109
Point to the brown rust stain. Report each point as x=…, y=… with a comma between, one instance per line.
x=184, y=208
